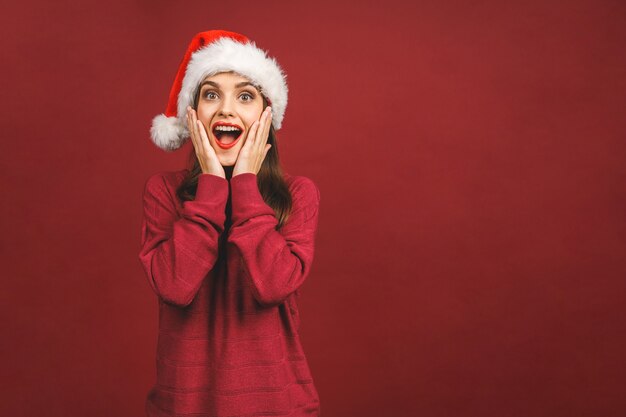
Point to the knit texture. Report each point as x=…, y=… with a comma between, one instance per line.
x=227, y=284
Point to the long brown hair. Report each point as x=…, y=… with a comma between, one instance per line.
x=270, y=179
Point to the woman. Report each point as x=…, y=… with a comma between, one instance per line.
x=227, y=243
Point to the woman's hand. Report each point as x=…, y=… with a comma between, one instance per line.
x=209, y=162
x=255, y=147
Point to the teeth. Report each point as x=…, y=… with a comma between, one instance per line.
x=226, y=128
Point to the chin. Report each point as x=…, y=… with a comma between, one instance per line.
x=228, y=158
x=227, y=163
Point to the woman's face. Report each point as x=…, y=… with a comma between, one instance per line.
x=228, y=99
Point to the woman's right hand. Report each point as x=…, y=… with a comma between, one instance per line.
x=209, y=162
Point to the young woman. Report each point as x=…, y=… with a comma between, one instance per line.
x=227, y=242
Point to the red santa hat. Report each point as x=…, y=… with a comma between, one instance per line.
x=209, y=53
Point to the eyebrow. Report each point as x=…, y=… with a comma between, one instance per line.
x=238, y=85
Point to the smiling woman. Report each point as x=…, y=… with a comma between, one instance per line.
x=227, y=242
x=228, y=104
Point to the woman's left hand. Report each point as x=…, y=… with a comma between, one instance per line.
x=255, y=147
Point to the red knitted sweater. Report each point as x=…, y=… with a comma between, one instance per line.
x=227, y=284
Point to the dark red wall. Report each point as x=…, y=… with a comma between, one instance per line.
x=471, y=158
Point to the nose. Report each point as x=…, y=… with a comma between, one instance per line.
x=226, y=109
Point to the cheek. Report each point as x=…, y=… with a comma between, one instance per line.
x=205, y=112
x=253, y=117
x=205, y=115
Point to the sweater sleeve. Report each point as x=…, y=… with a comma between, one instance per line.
x=177, y=252
x=276, y=263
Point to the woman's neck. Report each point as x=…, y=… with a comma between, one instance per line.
x=228, y=170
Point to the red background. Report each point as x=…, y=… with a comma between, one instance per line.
x=471, y=159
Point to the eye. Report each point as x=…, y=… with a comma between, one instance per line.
x=208, y=93
x=250, y=96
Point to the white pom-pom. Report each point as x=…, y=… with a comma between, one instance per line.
x=167, y=133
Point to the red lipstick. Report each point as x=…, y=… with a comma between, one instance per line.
x=234, y=142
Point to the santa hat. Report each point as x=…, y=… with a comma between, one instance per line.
x=209, y=53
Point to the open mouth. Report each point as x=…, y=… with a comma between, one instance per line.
x=226, y=135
